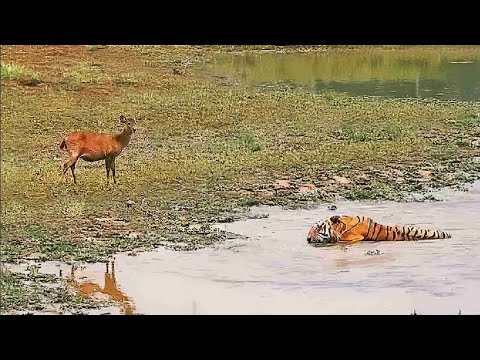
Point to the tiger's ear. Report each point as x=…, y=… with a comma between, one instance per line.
x=335, y=219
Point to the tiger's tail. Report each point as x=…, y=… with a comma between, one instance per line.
x=405, y=233
x=414, y=233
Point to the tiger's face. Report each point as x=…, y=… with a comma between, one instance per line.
x=321, y=232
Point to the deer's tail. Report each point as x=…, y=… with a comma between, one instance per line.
x=63, y=144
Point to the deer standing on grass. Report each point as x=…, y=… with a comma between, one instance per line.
x=92, y=147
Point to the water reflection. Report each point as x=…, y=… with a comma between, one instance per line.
x=444, y=75
x=109, y=288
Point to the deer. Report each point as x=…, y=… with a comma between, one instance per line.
x=90, y=146
x=110, y=288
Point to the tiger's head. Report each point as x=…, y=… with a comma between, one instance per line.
x=324, y=231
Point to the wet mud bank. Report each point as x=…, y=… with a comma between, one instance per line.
x=272, y=269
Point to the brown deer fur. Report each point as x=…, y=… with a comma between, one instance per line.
x=92, y=147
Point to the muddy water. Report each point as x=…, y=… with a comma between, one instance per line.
x=275, y=271
x=364, y=73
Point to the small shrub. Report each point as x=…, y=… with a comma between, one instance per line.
x=470, y=120
x=363, y=133
x=250, y=141
x=22, y=73
x=394, y=131
x=355, y=133
x=376, y=191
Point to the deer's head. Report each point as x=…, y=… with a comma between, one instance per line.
x=129, y=123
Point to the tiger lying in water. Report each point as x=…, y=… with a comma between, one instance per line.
x=356, y=228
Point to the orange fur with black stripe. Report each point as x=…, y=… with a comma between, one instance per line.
x=359, y=228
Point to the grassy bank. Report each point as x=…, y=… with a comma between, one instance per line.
x=205, y=151
x=31, y=292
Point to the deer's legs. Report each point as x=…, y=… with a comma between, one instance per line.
x=70, y=163
x=108, y=165
x=73, y=173
x=113, y=171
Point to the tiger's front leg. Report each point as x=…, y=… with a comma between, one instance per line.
x=352, y=237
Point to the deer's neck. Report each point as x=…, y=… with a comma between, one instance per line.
x=124, y=137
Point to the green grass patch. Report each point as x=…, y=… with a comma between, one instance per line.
x=334, y=96
x=375, y=191
x=34, y=291
x=92, y=47
x=470, y=120
x=355, y=133
x=26, y=75
x=14, y=293
x=85, y=73
x=358, y=132
x=250, y=141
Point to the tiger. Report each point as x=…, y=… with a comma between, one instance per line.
x=352, y=229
